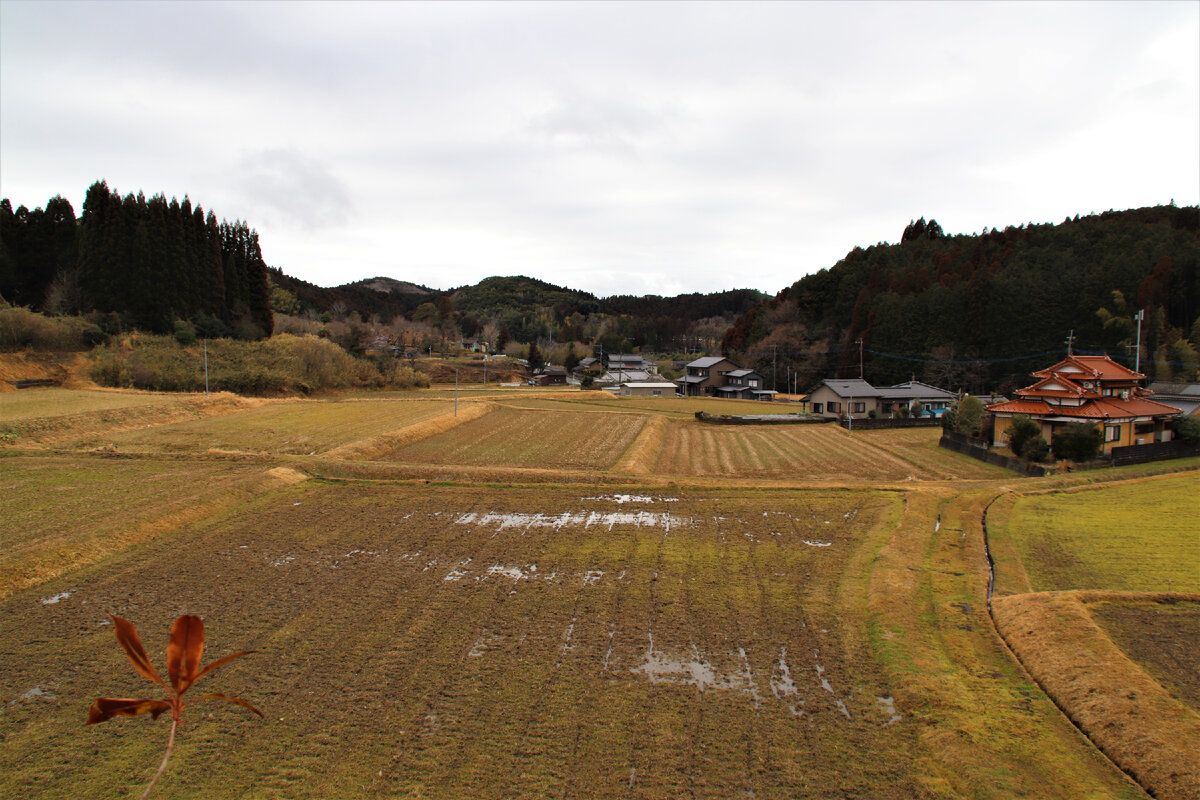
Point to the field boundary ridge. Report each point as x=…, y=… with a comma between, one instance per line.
x=1125, y=712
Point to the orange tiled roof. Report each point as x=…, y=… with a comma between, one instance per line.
x=1104, y=408
x=1021, y=407
x=1098, y=367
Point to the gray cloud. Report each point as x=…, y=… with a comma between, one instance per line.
x=608, y=146
x=292, y=188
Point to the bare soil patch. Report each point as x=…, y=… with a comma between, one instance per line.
x=1163, y=638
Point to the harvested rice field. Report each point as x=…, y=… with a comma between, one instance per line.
x=553, y=594
x=575, y=440
x=439, y=642
x=804, y=452
x=297, y=427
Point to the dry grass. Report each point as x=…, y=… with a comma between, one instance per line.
x=62, y=514
x=1124, y=710
x=299, y=427
x=987, y=731
x=530, y=683
x=641, y=456
x=919, y=446
x=105, y=419
x=380, y=446
x=29, y=404
x=69, y=369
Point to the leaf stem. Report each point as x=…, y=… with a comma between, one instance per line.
x=166, y=756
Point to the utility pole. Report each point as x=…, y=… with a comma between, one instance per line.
x=860, y=360
x=774, y=375
x=1070, y=342
x=1137, y=358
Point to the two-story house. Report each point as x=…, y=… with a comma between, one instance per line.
x=1088, y=389
x=745, y=384
x=704, y=375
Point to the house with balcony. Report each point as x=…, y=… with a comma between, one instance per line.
x=704, y=375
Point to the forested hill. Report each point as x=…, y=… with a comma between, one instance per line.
x=979, y=312
x=149, y=263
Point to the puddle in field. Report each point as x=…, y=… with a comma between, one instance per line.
x=889, y=708
x=573, y=519
x=458, y=573
x=827, y=686
x=784, y=688
x=661, y=668
x=36, y=693
x=516, y=573
x=58, y=598
x=621, y=499
x=486, y=641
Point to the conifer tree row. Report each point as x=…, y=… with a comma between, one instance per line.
x=152, y=261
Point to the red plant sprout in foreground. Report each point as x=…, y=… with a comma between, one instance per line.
x=183, y=668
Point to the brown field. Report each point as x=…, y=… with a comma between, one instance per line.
x=520, y=644
x=810, y=452
x=1161, y=638
x=553, y=593
x=528, y=438
x=298, y=427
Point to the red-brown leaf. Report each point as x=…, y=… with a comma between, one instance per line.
x=237, y=701
x=220, y=662
x=127, y=635
x=108, y=707
x=184, y=651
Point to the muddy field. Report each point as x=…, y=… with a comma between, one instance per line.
x=436, y=642
x=1162, y=638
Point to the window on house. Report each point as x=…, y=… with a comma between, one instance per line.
x=860, y=408
x=753, y=382
x=818, y=408
x=657, y=392
x=833, y=407
x=1112, y=433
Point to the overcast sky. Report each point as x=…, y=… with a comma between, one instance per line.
x=612, y=147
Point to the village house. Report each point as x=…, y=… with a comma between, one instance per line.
x=745, y=384
x=853, y=397
x=915, y=395
x=1088, y=389
x=837, y=399
x=648, y=389
x=704, y=375
x=550, y=375
x=1184, y=396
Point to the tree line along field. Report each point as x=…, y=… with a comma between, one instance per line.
x=671, y=609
